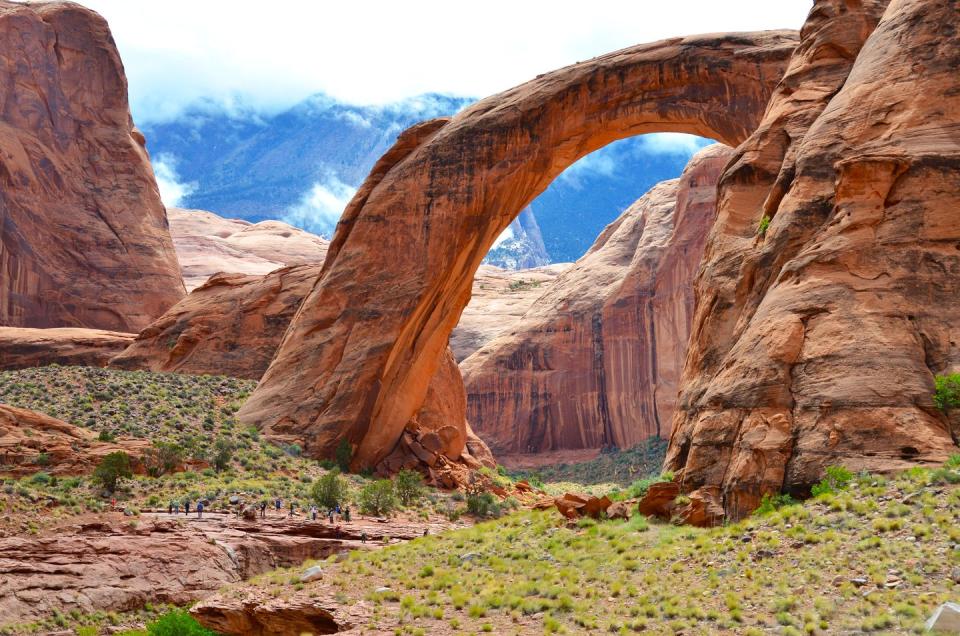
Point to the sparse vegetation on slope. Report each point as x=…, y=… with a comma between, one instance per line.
x=614, y=466
x=875, y=556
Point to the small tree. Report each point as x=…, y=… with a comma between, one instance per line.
x=408, y=484
x=111, y=469
x=378, y=498
x=330, y=489
x=947, y=393
x=163, y=458
x=344, y=455
x=222, y=454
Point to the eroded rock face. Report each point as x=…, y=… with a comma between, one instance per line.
x=83, y=235
x=817, y=344
x=31, y=442
x=209, y=244
x=231, y=325
x=25, y=348
x=359, y=357
x=595, y=361
x=499, y=299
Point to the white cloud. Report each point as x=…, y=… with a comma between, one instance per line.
x=319, y=209
x=673, y=144
x=377, y=52
x=172, y=190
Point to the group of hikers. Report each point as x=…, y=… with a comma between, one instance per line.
x=333, y=515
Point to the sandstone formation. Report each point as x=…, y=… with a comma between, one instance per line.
x=595, y=361
x=208, y=244
x=230, y=325
x=31, y=442
x=83, y=235
x=817, y=343
x=113, y=565
x=361, y=353
x=500, y=297
x=23, y=348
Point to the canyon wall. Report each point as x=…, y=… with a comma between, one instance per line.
x=816, y=342
x=361, y=352
x=595, y=361
x=83, y=235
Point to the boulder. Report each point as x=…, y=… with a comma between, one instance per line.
x=313, y=573
x=704, y=508
x=658, y=502
x=84, y=240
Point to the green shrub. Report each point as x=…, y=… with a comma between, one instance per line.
x=763, y=226
x=408, y=484
x=483, y=505
x=40, y=478
x=177, y=623
x=106, y=436
x=838, y=478
x=111, y=469
x=222, y=454
x=330, y=489
x=42, y=460
x=770, y=503
x=947, y=391
x=163, y=458
x=378, y=498
x=344, y=454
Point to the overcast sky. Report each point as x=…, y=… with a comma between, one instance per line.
x=271, y=55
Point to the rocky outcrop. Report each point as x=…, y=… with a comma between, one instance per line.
x=231, y=325
x=361, y=353
x=24, y=348
x=595, y=361
x=499, y=299
x=520, y=246
x=209, y=244
x=31, y=442
x=816, y=342
x=111, y=564
x=83, y=235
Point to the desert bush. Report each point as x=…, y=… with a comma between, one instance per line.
x=177, y=623
x=947, y=391
x=106, y=436
x=222, y=454
x=770, y=503
x=838, y=478
x=111, y=469
x=330, y=489
x=163, y=458
x=408, y=484
x=483, y=505
x=763, y=226
x=378, y=498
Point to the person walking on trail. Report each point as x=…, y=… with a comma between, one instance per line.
x=199, y=509
x=313, y=512
x=363, y=537
x=170, y=508
x=278, y=504
x=263, y=509
x=292, y=506
x=346, y=514
x=338, y=508
x=186, y=507
x=176, y=507
x=330, y=515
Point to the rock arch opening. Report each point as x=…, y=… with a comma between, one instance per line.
x=366, y=355
x=595, y=360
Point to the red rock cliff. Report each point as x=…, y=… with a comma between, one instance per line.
x=817, y=343
x=595, y=360
x=363, y=348
x=83, y=234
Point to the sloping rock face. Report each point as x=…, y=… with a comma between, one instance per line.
x=83, y=235
x=499, y=299
x=24, y=348
x=231, y=325
x=358, y=358
x=31, y=442
x=818, y=343
x=209, y=244
x=595, y=361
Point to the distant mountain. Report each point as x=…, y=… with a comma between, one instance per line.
x=304, y=164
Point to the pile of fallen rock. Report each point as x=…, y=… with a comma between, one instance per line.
x=663, y=500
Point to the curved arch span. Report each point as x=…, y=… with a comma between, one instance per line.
x=363, y=349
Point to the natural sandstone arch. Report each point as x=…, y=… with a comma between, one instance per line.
x=358, y=358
